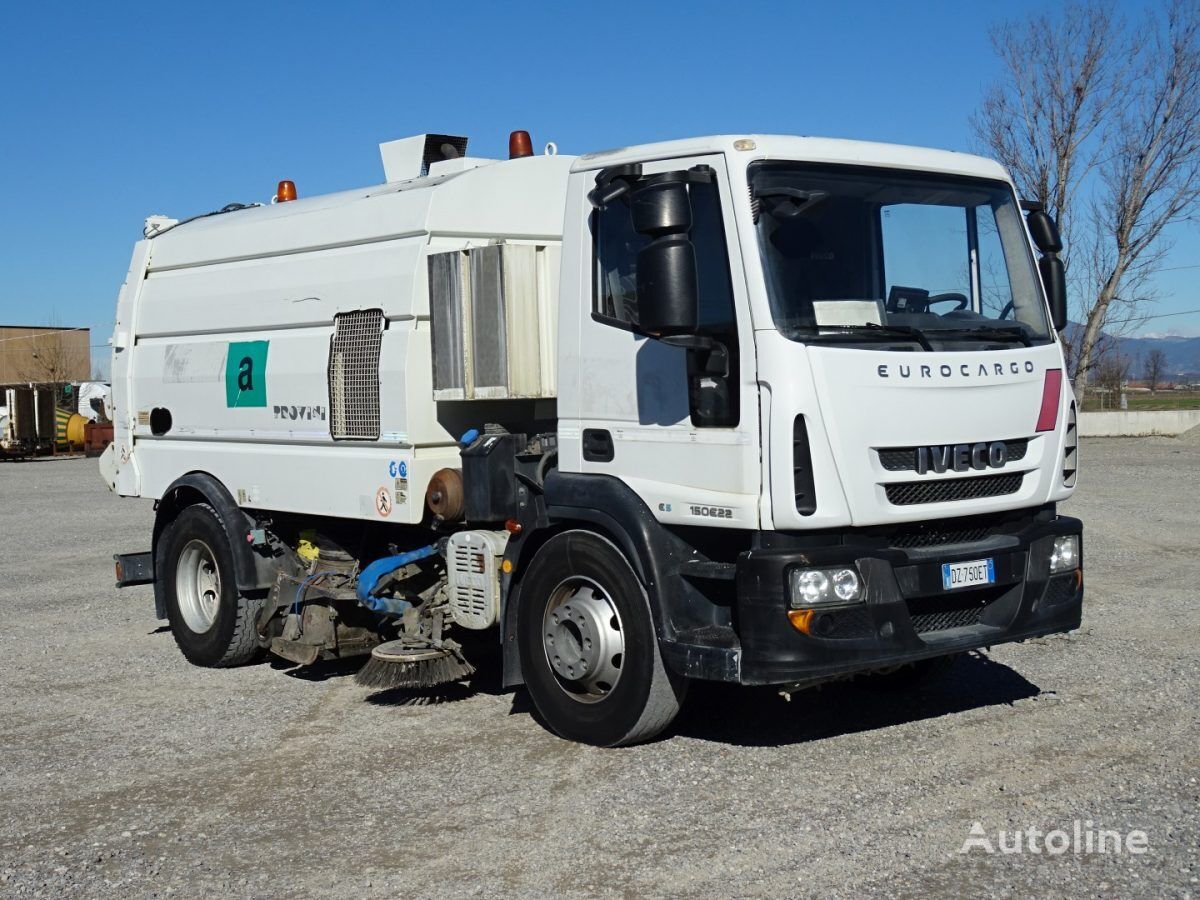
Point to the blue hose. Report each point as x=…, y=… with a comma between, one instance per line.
x=369, y=578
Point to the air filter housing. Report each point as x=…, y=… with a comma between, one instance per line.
x=473, y=577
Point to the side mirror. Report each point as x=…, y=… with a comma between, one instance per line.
x=1054, y=277
x=1044, y=231
x=668, y=297
x=667, y=289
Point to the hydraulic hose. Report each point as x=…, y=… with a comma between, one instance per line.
x=369, y=578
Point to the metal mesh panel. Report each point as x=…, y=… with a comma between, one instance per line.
x=936, y=537
x=845, y=624
x=1060, y=589
x=945, y=619
x=904, y=459
x=908, y=493
x=954, y=611
x=354, y=375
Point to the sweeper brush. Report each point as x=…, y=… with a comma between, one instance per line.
x=398, y=664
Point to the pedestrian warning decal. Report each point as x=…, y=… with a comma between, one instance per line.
x=383, y=502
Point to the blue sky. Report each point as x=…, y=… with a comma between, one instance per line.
x=111, y=112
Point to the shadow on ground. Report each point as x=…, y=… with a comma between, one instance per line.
x=745, y=716
x=760, y=717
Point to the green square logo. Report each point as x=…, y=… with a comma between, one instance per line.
x=246, y=374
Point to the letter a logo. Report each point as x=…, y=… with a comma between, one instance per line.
x=246, y=374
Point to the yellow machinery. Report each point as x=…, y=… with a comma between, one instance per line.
x=70, y=433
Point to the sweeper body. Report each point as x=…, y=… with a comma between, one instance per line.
x=765, y=410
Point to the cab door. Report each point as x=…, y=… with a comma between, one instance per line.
x=679, y=425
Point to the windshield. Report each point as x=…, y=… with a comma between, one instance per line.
x=852, y=252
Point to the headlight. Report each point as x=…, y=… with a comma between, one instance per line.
x=822, y=587
x=1065, y=556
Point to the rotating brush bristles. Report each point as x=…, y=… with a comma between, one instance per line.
x=397, y=665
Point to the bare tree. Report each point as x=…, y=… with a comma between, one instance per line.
x=1101, y=123
x=1061, y=76
x=1151, y=178
x=1154, y=367
x=1110, y=372
x=54, y=359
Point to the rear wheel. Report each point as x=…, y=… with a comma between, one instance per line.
x=589, y=653
x=212, y=623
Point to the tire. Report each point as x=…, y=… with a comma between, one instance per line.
x=213, y=624
x=615, y=690
x=911, y=677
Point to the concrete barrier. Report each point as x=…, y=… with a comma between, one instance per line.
x=1123, y=423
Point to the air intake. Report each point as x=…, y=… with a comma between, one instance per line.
x=1070, y=467
x=802, y=471
x=411, y=157
x=946, y=490
x=354, y=375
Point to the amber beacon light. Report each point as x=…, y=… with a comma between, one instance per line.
x=286, y=191
x=519, y=144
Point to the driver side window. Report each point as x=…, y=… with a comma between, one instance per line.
x=616, y=248
x=714, y=393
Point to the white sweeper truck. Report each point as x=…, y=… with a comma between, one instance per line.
x=755, y=409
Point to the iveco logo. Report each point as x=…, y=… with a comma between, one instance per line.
x=961, y=457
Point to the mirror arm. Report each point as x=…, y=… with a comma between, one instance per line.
x=612, y=183
x=689, y=341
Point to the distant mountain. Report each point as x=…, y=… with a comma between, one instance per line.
x=1183, y=353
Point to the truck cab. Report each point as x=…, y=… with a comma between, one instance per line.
x=861, y=393
x=759, y=409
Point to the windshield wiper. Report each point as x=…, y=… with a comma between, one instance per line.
x=872, y=331
x=986, y=332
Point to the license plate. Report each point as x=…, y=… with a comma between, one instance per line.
x=968, y=574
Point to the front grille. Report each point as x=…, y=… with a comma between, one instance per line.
x=947, y=619
x=944, y=490
x=943, y=612
x=904, y=459
x=933, y=536
x=354, y=375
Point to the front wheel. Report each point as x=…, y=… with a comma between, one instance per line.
x=589, y=653
x=212, y=623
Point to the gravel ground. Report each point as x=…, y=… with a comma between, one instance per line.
x=126, y=771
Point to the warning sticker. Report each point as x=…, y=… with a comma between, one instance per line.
x=383, y=502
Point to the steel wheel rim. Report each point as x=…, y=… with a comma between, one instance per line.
x=198, y=586
x=584, y=639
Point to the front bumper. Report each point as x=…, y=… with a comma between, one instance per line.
x=906, y=615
